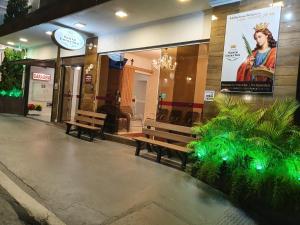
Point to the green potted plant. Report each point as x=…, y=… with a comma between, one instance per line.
x=253, y=155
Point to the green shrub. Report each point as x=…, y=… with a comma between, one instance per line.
x=12, y=74
x=252, y=155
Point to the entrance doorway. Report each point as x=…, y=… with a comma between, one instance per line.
x=71, y=92
x=40, y=93
x=139, y=102
x=139, y=91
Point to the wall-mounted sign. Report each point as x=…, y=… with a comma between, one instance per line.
x=68, y=39
x=209, y=96
x=88, y=78
x=250, y=51
x=41, y=76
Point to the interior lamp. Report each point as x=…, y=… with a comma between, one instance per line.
x=165, y=62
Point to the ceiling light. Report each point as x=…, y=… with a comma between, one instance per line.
x=213, y=17
x=23, y=39
x=49, y=33
x=277, y=4
x=183, y=1
x=121, y=14
x=80, y=25
x=10, y=43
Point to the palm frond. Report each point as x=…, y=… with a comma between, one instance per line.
x=247, y=45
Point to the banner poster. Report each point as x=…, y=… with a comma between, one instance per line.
x=250, y=51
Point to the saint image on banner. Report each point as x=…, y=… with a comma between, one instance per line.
x=260, y=63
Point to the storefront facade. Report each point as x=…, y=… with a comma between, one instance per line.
x=194, y=40
x=106, y=88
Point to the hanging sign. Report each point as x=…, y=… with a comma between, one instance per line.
x=68, y=39
x=250, y=51
x=41, y=76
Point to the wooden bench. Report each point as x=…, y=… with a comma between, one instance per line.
x=162, y=137
x=91, y=122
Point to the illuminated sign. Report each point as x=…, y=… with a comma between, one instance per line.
x=41, y=76
x=68, y=39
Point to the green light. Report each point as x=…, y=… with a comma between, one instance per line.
x=225, y=158
x=3, y=93
x=17, y=93
x=200, y=151
x=259, y=167
x=199, y=155
x=292, y=167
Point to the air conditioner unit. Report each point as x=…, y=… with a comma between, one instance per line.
x=214, y=3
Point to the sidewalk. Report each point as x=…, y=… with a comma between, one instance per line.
x=87, y=183
x=8, y=215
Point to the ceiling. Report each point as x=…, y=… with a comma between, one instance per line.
x=149, y=54
x=101, y=19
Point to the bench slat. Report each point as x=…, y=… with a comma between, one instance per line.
x=91, y=114
x=162, y=144
x=89, y=120
x=83, y=125
x=84, y=119
x=166, y=126
x=169, y=136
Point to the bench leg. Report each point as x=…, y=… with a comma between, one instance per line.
x=159, y=153
x=79, y=132
x=91, y=136
x=149, y=148
x=138, y=148
x=68, y=128
x=102, y=134
x=169, y=154
x=184, y=161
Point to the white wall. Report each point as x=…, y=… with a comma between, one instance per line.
x=180, y=29
x=50, y=52
x=139, y=61
x=185, y=28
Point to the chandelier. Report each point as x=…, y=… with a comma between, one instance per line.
x=165, y=62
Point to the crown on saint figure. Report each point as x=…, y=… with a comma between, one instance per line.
x=261, y=26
